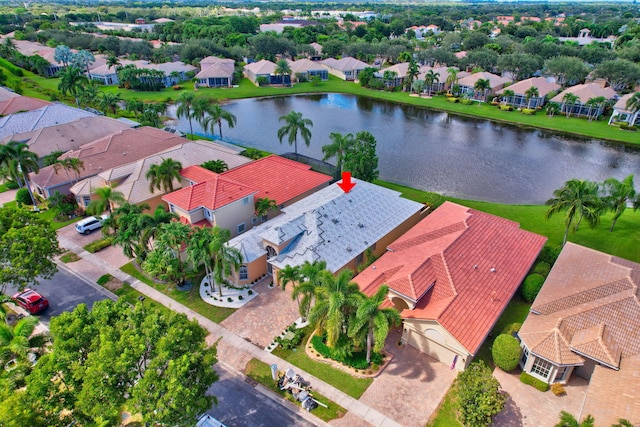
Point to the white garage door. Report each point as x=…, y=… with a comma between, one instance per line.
x=431, y=348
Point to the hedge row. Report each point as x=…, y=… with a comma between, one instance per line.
x=98, y=245
x=534, y=382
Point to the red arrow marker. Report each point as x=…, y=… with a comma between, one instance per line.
x=346, y=183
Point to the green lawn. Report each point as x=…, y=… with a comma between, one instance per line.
x=341, y=380
x=446, y=414
x=624, y=241
x=189, y=298
x=261, y=372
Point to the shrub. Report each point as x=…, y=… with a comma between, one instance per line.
x=506, y=352
x=494, y=103
x=454, y=100
x=534, y=382
x=506, y=107
x=479, y=397
x=290, y=344
x=11, y=185
x=531, y=286
x=466, y=101
x=250, y=292
x=625, y=126
x=528, y=111
x=99, y=245
x=229, y=299
x=558, y=389
x=542, y=268
x=356, y=360
x=512, y=328
x=23, y=197
x=549, y=254
x=177, y=87
x=239, y=297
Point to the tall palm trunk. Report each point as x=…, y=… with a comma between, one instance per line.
x=369, y=344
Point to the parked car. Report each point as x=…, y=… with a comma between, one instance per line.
x=89, y=224
x=31, y=301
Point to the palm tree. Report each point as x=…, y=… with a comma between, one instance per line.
x=418, y=86
x=531, y=93
x=431, y=78
x=68, y=164
x=633, y=103
x=568, y=420
x=171, y=237
x=20, y=161
x=412, y=72
x=109, y=102
x=338, y=148
x=136, y=106
x=482, y=86
x=185, y=103
x=216, y=114
x=622, y=423
x=579, y=199
x=198, y=250
x=594, y=103
x=161, y=176
x=291, y=275
x=89, y=93
x=282, y=69
x=113, y=62
x=452, y=78
x=263, y=206
x=310, y=279
x=373, y=322
x=337, y=300
x=71, y=81
x=226, y=259
x=552, y=108
x=105, y=198
x=148, y=225
x=217, y=166
x=295, y=124
x=199, y=109
x=617, y=195
x=506, y=94
x=570, y=100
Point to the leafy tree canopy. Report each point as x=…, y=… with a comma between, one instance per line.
x=113, y=357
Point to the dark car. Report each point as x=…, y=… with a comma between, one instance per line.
x=31, y=301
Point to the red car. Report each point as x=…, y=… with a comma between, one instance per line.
x=31, y=301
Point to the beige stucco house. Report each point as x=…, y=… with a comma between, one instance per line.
x=329, y=225
x=451, y=277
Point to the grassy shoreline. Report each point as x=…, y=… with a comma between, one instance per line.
x=559, y=124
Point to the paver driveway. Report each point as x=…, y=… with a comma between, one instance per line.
x=264, y=317
x=527, y=406
x=411, y=387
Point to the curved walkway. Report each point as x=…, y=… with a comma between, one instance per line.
x=217, y=332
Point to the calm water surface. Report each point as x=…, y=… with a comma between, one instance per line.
x=434, y=151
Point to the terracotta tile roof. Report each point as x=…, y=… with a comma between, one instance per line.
x=461, y=265
x=494, y=79
x=543, y=85
x=613, y=395
x=6, y=94
x=590, y=301
x=278, y=178
x=211, y=194
x=120, y=148
x=21, y=103
x=585, y=92
x=197, y=173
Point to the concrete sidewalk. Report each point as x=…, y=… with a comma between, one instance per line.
x=217, y=332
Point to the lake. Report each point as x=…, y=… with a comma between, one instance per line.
x=436, y=151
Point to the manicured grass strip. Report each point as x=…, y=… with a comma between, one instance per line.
x=446, y=414
x=69, y=257
x=432, y=199
x=130, y=295
x=189, y=298
x=261, y=372
x=341, y=380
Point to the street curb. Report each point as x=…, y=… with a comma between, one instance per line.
x=269, y=394
x=81, y=276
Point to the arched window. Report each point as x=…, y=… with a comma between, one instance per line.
x=271, y=252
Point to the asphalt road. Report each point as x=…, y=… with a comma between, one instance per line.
x=65, y=291
x=241, y=405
